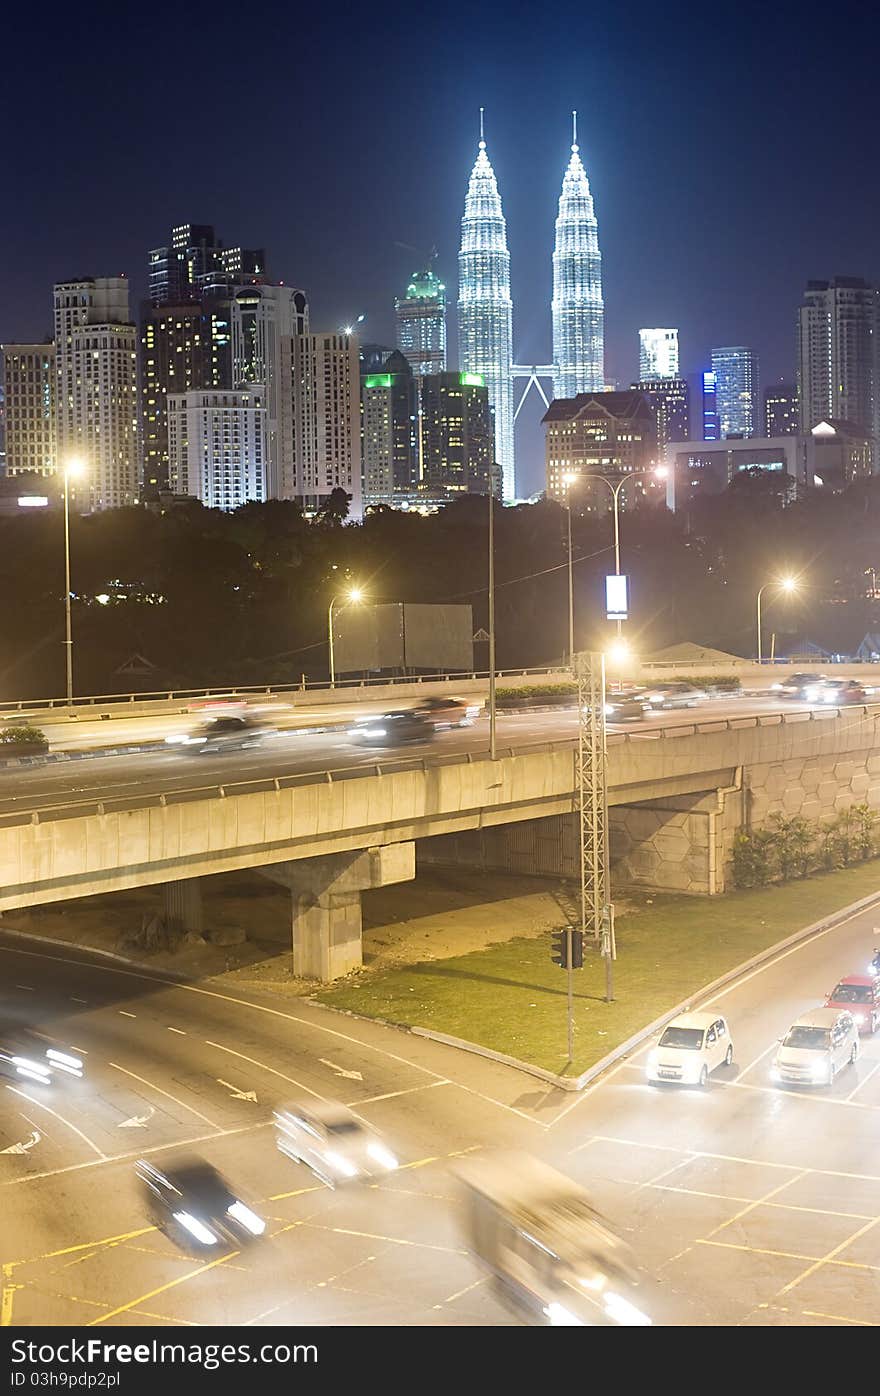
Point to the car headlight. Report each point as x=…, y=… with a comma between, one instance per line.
x=381, y=1155
x=373, y=731
x=775, y=1073
x=623, y=1312
x=775, y=687
x=860, y=1017
x=829, y=697
x=811, y=694
x=248, y=1219
x=203, y=1234
x=820, y=1071
x=34, y=1071
x=609, y=709
x=652, y=1059
x=560, y=1317
x=341, y=1165
x=64, y=1062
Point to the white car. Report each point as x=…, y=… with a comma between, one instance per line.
x=816, y=1047
x=690, y=1049
x=332, y=1142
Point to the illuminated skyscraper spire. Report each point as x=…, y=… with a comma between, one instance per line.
x=485, y=310
x=578, y=311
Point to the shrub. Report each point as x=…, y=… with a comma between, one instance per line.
x=536, y=691
x=22, y=736
x=793, y=845
x=753, y=861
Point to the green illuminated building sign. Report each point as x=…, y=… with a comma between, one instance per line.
x=472, y=380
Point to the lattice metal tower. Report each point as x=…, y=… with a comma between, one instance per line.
x=592, y=786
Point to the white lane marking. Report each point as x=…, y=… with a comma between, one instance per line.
x=75, y=1000
x=239, y=1095
x=263, y=1067
x=27, y=988
x=159, y=1091
x=124, y=1014
x=137, y=1121
x=807, y=1094
x=392, y=1095
x=754, y=1062
x=25, y=1145
x=136, y=1153
x=289, y=1017
x=341, y=1071
x=875, y=1067
x=49, y=1111
x=179, y=1031
x=724, y=1158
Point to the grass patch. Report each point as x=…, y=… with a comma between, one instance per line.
x=512, y=998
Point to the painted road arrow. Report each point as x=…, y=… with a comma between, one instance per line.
x=137, y=1121
x=25, y=1146
x=239, y=1095
x=340, y=1070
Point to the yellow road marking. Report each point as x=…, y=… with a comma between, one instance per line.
x=392, y=1240
x=779, y=1206
x=750, y=1207
x=832, y=1254
x=788, y=1255
x=698, y=1154
x=839, y=1318
x=181, y=1279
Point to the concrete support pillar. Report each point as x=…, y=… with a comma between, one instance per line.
x=183, y=904
x=326, y=894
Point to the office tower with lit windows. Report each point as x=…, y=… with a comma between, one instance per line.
x=670, y=401
x=606, y=433
x=577, y=308
x=265, y=321
x=196, y=263
x=217, y=446
x=388, y=426
x=327, y=419
x=710, y=407
x=485, y=308
x=458, y=444
x=658, y=354
x=96, y=402
x=838, y=329
x=421, y=323
x=781, y=410
x=30, y=382
x=736, y=388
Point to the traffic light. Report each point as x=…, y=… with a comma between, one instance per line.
x=577, y=949
x=560, y=949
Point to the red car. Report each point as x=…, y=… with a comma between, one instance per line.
x=860, y=995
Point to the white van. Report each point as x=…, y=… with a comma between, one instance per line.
x=816, y=1047
x=690, y=1048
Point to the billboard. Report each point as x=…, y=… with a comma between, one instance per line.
x=372, y=639
x=616, y=597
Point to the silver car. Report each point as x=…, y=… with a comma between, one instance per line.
x=332, y=1142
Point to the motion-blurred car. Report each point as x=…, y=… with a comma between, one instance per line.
x=837, y=692
x=25, y=1057
x=228, y=733
x=630, y=705
x=191, y=1201
x=691, y=1047
x=449, y=712
x=859, y=994
x=394, y=728
x=816, y=1047
x=796, y=685
x=675, y=695
x=332, y=1142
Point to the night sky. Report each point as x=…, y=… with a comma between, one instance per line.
x=731, y=149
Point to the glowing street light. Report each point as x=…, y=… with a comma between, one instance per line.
x=618, y=653
x=786, y=585
x=72, y=470
x=659, y=472
x=352, y=597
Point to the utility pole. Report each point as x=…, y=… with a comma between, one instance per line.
x=491, y=622
x=597, y=913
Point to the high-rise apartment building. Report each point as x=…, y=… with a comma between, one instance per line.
x=598, y=434
x=781, y=410
x=736, y=386
x=421, y=323
x=838, y=355
x=265, y=321
x=29, y=373
x=669, y=400
x=578, y=310
x=96, y=375
x=217, y=446
x=195, y=263
x=658, y=354
x=388, y=426
x=485, y=308
x=458, y=444
x=710, y=407
x=327, y=434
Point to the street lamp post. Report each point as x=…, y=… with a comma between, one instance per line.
x=786, y=584
x=491, y=624
x=568, y=481
x=352, y=597
x=72, y=469
x=658, y=472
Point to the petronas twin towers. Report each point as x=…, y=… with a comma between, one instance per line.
x=485, y=307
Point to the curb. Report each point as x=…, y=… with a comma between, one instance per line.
x=578, y=1083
